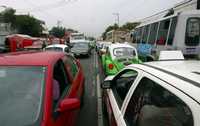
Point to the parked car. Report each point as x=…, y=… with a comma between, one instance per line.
x=40, y=88
x=157, y=93
x=118, y=56
x=81, y=49
x=58, y=47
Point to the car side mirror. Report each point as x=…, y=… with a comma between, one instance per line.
x=69, y=104
x=106, y=84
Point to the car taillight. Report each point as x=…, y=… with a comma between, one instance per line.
x=110, y=66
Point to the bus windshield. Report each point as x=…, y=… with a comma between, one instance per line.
x=192, y=37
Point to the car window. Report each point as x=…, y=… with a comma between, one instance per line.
x=66, y=49
x=61, y=83
x=153, y=105
x=122, y=83
x=58, y=49
x=122, y=51
x=71, y=65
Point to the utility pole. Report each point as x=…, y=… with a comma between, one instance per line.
x=117, y=15
x=59, y=23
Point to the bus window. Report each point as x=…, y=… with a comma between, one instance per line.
x=172, y=31
x=162, y=33
x=192, y=32
x=145, y=34
x=133, y=36
x=139, y=34
x=153, y=33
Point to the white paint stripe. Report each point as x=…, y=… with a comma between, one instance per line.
x=99, y=98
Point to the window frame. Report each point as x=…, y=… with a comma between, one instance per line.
x=118, y=101
x=65, y=91
x=182, y=96
x=68, y=57
x=186, y=28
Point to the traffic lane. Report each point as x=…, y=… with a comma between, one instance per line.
x=88, y=113
x=102, y=76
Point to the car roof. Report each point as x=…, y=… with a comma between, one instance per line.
x=57, y=45
x=183, y=75
x=30, y=58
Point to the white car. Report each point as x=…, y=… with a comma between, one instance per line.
x=160, y=93
x=58, y=47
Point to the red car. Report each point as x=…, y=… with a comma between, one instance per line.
x=40, y=89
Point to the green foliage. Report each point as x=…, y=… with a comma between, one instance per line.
x=58, y=32
x=9, y=16
x=29, y=25
x=129, y=26
x=24, y=24
x=110, y=28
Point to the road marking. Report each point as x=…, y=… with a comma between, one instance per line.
x=99, y=96
x=94, y=79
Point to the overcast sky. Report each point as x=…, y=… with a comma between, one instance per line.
x=88, y=16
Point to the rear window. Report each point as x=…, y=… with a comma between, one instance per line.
x=192, y=36
x=58, y=49
x=122, y=51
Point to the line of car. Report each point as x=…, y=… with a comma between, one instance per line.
x=77, y=49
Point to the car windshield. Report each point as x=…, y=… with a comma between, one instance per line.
x=21, y=90
x=80, y=45
x=122, y=51
x=58, y=49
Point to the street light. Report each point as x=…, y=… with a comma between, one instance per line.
x=117, y=15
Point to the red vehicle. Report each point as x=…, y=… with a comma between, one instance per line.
x=40, y=89
x=17, y=42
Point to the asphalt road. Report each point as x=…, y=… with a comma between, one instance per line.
x=88, y=114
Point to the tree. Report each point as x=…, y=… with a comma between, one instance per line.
x=58, y=32
x=109, y=28
x=24, y=24
x=129, y=26
x=8, y=16
x=29, y=25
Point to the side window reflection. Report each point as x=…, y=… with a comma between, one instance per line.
x=122, y=84
x=153, y=105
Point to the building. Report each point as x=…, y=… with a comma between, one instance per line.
x=5, y=29
x=117, y=36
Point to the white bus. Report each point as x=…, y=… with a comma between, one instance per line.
x=180, y=31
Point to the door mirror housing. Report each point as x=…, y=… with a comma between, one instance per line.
x=69, y=104
x=107, y=83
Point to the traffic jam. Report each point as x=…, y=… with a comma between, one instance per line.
x=146, y=76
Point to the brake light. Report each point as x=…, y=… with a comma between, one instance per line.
x=110, y=66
